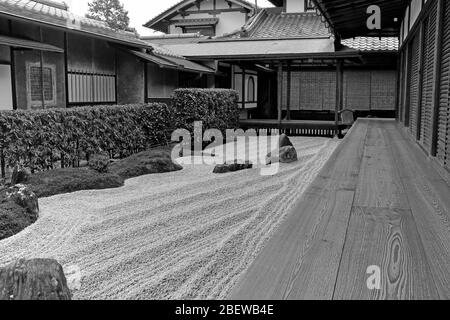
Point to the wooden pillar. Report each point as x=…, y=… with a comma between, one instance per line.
x=339, y=90
x=244, y=94
x=288, y=95
x=421, y=67
x=41, y=64
x=280, y=91
x=437, y=77
x=407, y=86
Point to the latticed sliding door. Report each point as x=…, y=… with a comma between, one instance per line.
x=443, y=150
x=383, y=90
x=426, y=107
x=357, y=90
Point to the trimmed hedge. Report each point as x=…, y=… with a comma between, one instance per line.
x=38, y=139
x=217, y=108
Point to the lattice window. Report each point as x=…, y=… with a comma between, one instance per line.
x=91, y=88
x=41, y=84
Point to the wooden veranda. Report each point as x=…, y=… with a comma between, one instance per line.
x=378, y=202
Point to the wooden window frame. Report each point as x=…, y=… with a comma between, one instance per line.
x=33, y=104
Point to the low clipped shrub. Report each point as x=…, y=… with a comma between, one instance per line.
x=157, y=160
x=13, y=217
x=67, y=180
x=216, y=108
x=99, y=162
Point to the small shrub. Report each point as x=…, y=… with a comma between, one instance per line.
x=13, y=218
x=61, y=181
x=148, y=162
x=99, y=162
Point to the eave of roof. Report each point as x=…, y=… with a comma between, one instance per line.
x=41, y=14
x=348, y=18
x=245, y=49
x=172, y=62
x=15, y=42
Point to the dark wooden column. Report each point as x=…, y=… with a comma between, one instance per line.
x=339, y=90
x=280, y=91
x=288, y=94
x=41, y=65
x=421, y=67
x=244, y=94
x=437, y=76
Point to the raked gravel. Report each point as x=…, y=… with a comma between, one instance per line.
x=183, y=235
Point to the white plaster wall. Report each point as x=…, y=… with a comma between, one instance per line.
x=228, y=21
x=295, y=6
x=5, y=88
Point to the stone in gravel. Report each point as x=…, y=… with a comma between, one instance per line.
x=39, y=279
x=285, y=141
x=20, y=175
x=25, y=198
x=287, y=155
x=232, y=167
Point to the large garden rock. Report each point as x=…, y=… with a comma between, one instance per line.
x=287, y=155
x=285, y=141
x=20, y=175
x=39, y=279
x=232, y=167
x=25, y=198
x=287, y=152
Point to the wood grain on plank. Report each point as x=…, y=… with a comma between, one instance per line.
x=386, y=238
x=379, y=184
x=429, y=199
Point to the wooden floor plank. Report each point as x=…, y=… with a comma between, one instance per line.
x=388, y=239
x=301, y=261
x=429, y=198
x=378, y=201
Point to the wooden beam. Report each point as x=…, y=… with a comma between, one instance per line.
x=280, y=91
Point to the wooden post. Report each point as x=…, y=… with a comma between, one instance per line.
x=407, y=84
x=421, y=66
x=41, y=60
x=437, y=77
x=244, y=94
x=288, y=95
x=280, y=91
x=339, y=91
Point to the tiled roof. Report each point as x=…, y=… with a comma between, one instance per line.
x=242, y=48
x=46, y=12
x=272, y=23
x=372, y=44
